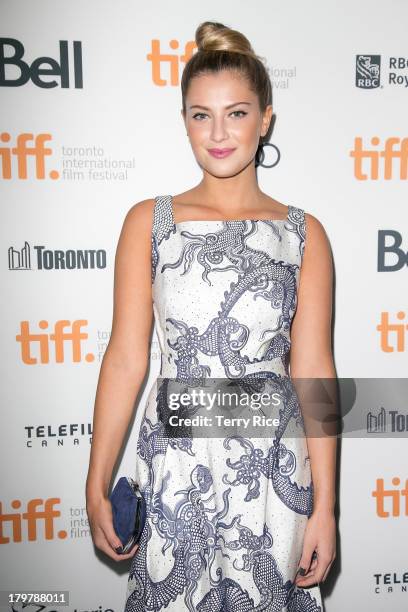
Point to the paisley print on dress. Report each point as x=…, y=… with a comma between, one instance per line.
x=226, y=516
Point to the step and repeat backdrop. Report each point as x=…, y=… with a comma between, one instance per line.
x=90, y=125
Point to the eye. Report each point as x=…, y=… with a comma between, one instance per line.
x=239, y=111
x=198, y=115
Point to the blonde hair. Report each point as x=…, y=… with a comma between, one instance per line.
x=222, y=48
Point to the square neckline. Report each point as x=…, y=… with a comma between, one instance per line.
x=222, y=220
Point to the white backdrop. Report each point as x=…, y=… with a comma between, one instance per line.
x=117, y=110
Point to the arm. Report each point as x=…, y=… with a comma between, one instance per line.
x=125, y=361
x=311, y=357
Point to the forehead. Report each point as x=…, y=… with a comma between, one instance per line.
x=219, y=88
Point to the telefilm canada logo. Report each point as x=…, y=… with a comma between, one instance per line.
x=393, y=581
x=56, y=435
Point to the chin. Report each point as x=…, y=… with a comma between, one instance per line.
x=224, y=171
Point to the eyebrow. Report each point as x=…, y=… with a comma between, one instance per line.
x=229, y=105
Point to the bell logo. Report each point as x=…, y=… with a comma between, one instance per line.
x=40, y=67
x=157, y=58
x=32, y=517
x=390, y=257
x=59, y=338
x=398, y=504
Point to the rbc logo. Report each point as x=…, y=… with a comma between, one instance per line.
x=368, y=71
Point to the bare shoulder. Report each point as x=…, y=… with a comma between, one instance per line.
x=140, y=215
x=135, y=235
x=317, y=260
x=316, y=236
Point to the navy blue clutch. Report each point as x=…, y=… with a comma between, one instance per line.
x=128, y=512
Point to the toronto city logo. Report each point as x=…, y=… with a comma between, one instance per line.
x=377, y=423
x=47, y=259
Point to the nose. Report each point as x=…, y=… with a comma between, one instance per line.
x=218, y=130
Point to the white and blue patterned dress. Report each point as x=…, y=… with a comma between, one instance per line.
x=225, y=515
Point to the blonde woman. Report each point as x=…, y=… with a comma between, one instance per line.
x=239, y=286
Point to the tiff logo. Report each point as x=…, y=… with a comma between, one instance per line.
x=172, y=60
x=38, y=511
x=59, y=338
x=380, y=160
x=396, y=496
x=22, y=152
x=388, y=329
x=368, y=71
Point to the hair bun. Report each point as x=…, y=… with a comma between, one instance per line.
x=214, y=36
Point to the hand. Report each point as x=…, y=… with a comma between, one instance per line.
x=320, y=536
x=103, y=533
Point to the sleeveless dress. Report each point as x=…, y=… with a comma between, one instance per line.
x=226, y=515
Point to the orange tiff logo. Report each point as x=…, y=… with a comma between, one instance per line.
x=22, y=153
x=64, y=333
x=397, y=504
x=38, y=511
x=386, y=161
x=157, y=58
x=392, y=335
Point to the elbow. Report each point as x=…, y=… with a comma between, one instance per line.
x=321, y=366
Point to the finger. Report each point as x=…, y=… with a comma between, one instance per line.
x=308, y=577
x=102, y=543
x=316, y=575
x=313, y=564
x=134, y=550
x=322, y=568
x=110, y=536
x=327, y=571
x=130, y=553
x=306, y=582
x=105, y=547
x=305, y=562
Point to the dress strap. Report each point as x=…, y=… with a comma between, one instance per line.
x=296, y=223
x=163, y=220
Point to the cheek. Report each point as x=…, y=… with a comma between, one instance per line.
x=198, y=131
x=246, y=131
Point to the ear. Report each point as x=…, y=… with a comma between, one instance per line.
x=266, y=119
x=183, y=116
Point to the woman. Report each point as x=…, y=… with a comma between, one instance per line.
x=240, y=289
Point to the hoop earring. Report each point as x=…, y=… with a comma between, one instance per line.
x=259, y=155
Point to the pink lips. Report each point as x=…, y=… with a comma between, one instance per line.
x=220, y=152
